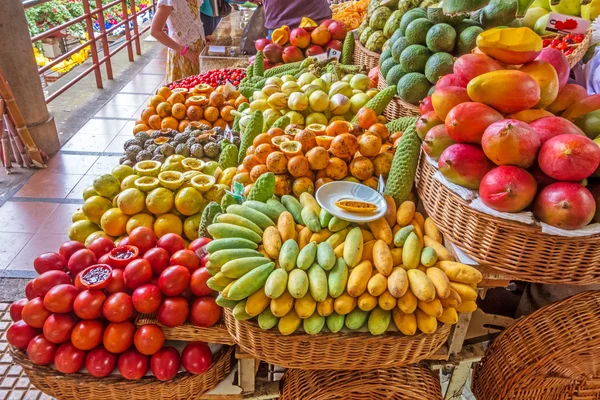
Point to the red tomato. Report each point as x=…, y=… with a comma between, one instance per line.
x=105, y=259
x=174, y=280
x=118, y=336
x=118, y=307
x=148, y=339
x=562, y=46
x=124, y=242
x=165, y=363
x=16, y=309
x=137, y=273
x=35, y=314
x=171, y=242
x=147, y=298
x=49, y=262
x=80, y=260
x=60, y=298
x=143, y=238
x=205, y=312
x=198, y=282
x=41, y=351
x=87, y=334
x=20, y=334
x=158, y=259
x=133, y=365
x=196, y=357
x=173, y=311
x=101, y=246
x=67, y=249
x=100, y=362
x=46, y=281
x=117, y=283
x=187, y=258
x=88, y=304
x=30, y=292
x=58, y=327
x=68, y=358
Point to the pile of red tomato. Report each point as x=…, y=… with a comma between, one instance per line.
x=80, y=310
x=564, y=43
x=214, y=78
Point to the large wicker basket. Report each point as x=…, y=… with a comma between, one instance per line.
x=413, y=382
x=553, y=354
x=362, y=56
x=397, y=108
x=519, y=250
x=334, y=351
x=190, y=333
x=86, y=387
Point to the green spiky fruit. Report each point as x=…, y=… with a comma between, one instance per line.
x=348, y=49
x=263, y=188
x=400, y=124
x=209, y=213
x=254, y=128
x=258, y=68
x=229, y=156
x=236, y=120
x=404, y=166
x=227, y=201
x=282, y=122
x=380, y=101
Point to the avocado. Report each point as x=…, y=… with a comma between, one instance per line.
x=498, y=13
x=385, y=54
x=386, y=66
x=441, y=37
x=409, y=17
x=398, y=47
x=394, y=75
x=413, y=87
x=414, y=57
x=438, y=65
x=590, y=124
x=464, y=24
x=467, y=40
x=416, y=31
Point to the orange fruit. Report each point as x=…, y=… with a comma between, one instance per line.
x=257, y=171
x=169, y=123
x=338, y=127
x=262, y=138
x=371, y=182
x=318, y=158
x=387, y=148
x=217, y=99
x=239, y=100
x=361, y=168
x=211, y=114
x=344, y=145
x=221, y=123
x=317, y=129
x=194, y=113
x=250, y=150
x=250, y=162
x=147, y=113
x=156, y=100
x=283, y=184
x=176, y=97
x=381, y=130
x=154, y=122
x=140, y=128
x=178, y=111
x=321, y=181
x=302, y=185
x=183, y=124
x=291, y=148
x=321, y=174
x=337, y=169
x=310, y=175
x=298, y=166
x=164, y=91
x=226, y=113
x=369, y=144
x=382, y=164
x=262, y=151
x=307, y=139
x=394, y=136
x=277, y=162
x=205, y=122
x=234, y=94
x=163, y=109
x=324, y=141
x=366, y=117
x=273, y=132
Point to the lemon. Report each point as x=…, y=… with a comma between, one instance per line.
x=94, y=207
x=129, y=181
x=159, y=201
x=138, y=220
x=167, y=223
x=188, y=201
x=107, y=185
x=122, y=171
x=89, y=192
x=114, y=222
x=80, y=230
x=78, y=216
x=131, y=201
x=191, y=225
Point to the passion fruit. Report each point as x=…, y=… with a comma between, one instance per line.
x=171, y=179
x=197, y=100
x=120, y=256
x=317, y=129
x=147, y=168
x=146, y=183
x=291, y=148
x=192, y=164
x=203, y=88
x=203, y=183
x=161, y=140
x=179, y=90
x=96, y=276
x=278, y=140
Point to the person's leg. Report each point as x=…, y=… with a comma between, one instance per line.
x=210, y=23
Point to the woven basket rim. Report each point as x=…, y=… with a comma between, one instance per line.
x=396, y=98
x=358, y=45
x=217, y=333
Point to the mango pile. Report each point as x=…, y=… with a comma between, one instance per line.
x=291, y=265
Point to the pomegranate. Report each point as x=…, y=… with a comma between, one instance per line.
x=260, y=44
x=292, y=54
x=338, y=30
x=426, y=122
x=464, y=165
x=273, y=52
x=565, y=205
x=425, y=105
x=314, y=50
x=446, y=98
x=560, y=63
x=507, y=189
x=511, y=142
x=451, y=80
x=320, y=36
x=569, y=157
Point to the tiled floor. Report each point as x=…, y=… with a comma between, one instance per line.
x=37, y=217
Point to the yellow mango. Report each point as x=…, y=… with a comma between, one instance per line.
x=432, y=231
x=344, y=304
x=257, y=302
x=289, y=323
x=440, y=282
x=359, y=278
x=426, y=323
x=397, y=282
x=432, y=308
x=407, y=303
x=304, y=237
x=405, y=322
x=367, y=254
x=386, y=301
x=325, y=307
x=367, y=302
x=421, y=285
x=282, y=305
x=367, y=235
x=286, y=226
x=405, y=213
x=396, y=256
x=377, y=284
x=458, y=272
x=321, y=236
x=390, y=213
x=449, y=316
x=305, y=306
x=272, y=242
x=339, y=250
x=466, y=292
x=442, y=253
x=382, y=258
x=381, y=230
x=453, y=300
x=467, y=307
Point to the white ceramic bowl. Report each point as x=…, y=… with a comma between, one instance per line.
x=328, y=194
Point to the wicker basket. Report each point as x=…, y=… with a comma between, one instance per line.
x=397, y=108
x=86, y=387
x=334, y=351
x=190, y=333
x=516, y=249
x=364, y=57
x=579, y=51
x=413, y=382
x=552, y=354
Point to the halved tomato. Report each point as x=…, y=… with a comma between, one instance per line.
x=96, y=277
x=123, y=255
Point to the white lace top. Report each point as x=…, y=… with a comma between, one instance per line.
x=185, y=26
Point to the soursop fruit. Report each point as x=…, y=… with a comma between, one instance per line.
x=404, y=166
x=229, y=156
x=263, y=188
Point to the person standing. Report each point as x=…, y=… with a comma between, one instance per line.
x=185, y=39
x=290, y=13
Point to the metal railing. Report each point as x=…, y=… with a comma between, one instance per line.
x=132, y=35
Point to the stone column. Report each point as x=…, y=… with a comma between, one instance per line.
x=20, y=70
